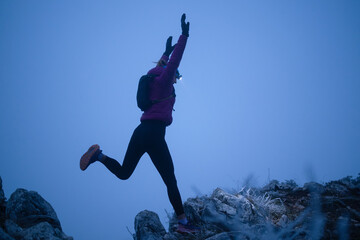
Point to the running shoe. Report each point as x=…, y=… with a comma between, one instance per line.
x=89, y=157
x=188, y=228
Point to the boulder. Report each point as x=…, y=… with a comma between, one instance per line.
x=148, y=226
x=221, y=212
x=2, y=205
x=44, y=230
x=343, y=187
x=170, y=236
x=28, y=216
x=13, y=229
x=276, y=211
x=193, y=208
x=238, y=205
x=28, y=208
x=4, y=235
x=2, y=195
x=227, y=236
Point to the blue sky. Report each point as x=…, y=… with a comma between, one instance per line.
x=268, y=86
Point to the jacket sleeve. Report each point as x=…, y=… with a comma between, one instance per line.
x=167, y=75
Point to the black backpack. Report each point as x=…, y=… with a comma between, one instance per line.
x=142, y=96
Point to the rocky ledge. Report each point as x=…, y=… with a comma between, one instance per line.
x=28, y=216
x=276, y=211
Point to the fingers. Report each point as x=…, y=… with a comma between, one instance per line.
x=183, y=17
x=169, y=48
x=185, y=26
x=183, y=23
x=168, y=41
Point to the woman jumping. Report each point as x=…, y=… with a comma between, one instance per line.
x=149, y=136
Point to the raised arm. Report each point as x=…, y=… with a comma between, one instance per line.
x=178, y=50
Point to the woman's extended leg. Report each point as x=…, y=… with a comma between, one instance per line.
x=160, y=156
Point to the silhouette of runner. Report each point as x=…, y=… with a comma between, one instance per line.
x=149, y=136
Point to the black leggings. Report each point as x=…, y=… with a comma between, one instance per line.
x=149, y=137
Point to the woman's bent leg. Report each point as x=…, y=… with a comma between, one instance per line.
x=133, y=154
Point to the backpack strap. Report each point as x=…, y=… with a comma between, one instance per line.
x=163, y=99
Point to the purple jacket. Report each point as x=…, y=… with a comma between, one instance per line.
x=162, y=86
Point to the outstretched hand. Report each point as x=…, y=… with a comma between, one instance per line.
x=185, y=26
x=169, y=47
